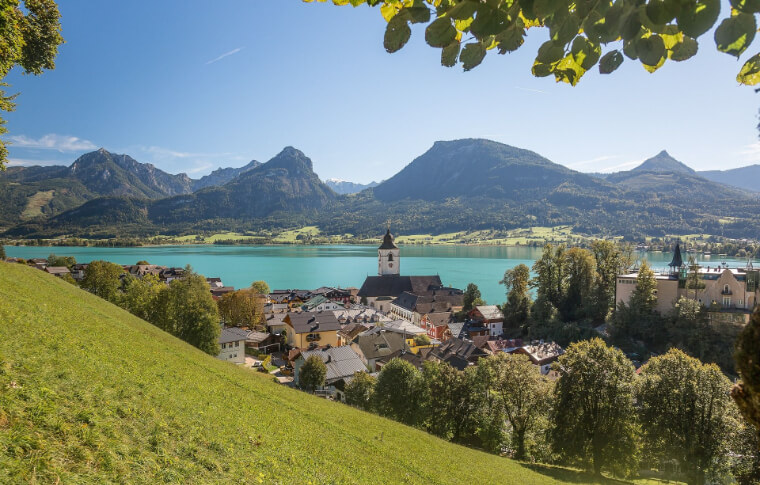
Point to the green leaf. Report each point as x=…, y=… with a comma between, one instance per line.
x=463, y=10
x=512, y=38
x=489, y=21
x=661, y=12
x=585, y=53
x=472, y=55
x=629, y=49
x=550, y=52
x=631, y=25
x=563, y=29
x=449, y=54
x=736, y=33
x=750, y=72
x=651, y=50
x=540, y=69
x=684, y=49
x=610, y=61
x=418, y=14
x=568, y=71
x=746, y=6
x=652, y=69
x=440, y=32
x=544, y=8
x=698, y=17
x=397, y=34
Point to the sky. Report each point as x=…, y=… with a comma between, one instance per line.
x=191, y=86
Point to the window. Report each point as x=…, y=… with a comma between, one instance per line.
x=740, y=302
x=725, y=289
x=390, y=256
x=726, y=301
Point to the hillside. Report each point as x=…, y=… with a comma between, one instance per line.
x=747, y=178
x=92, y=394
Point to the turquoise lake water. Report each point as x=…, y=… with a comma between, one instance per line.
x=309, y=267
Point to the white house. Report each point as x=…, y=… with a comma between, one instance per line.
x=232, y=345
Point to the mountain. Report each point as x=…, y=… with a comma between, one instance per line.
x=481, y=168
x=663, y=162
x=221, y=176
x=111, y=398
x=106, y=173
x=286, y=183
x=747, y=178
x=345, y=188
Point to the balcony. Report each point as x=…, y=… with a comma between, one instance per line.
x=726, y=291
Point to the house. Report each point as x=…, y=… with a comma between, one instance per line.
x=263, y=342
x=217, y=293
x=541, y=354
x=215, y=282
x=413, y=306
x=417, y=360
x=340, y=295
x=341, y=362
x=491, y=317
x=275, y=324
x=59, y=271
x=77, y=271
x=359, y=314
x=141, y=270
x=457, y=352
x=494, y=346
x=311, y=329
x=376, y=344
x=729, y=294
x=411, y=333
x=319, y=303
x=293, y=298
x=232, y=345
x=378, y=291
x=170, y=274
x=39, y=263
x=436, y=324
x=349, y=332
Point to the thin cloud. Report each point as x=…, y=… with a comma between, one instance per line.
x=52, y=141
x=28, y=162
x=751, y=152
x=593, y=160
x=166, y=153
x=622, y=165
x=226, y=54
x=200, y=168
x=530, y=90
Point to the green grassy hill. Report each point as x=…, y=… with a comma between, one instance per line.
x=92, y=394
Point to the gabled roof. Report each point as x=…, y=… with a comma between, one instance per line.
x=460, y=348
x=542, y=353
x=315, y=302
x=395, y=285
x=352, y=330
x=457, y=329
x=388, y=241
x=258, y=337
x=402, y=327
x=232, y=334
x=341, y=362
x=439, y=318
x=378, y=344
x=57, y=270
x=313, y=322
x=490, y=312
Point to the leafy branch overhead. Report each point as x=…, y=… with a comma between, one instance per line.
x=582, y=33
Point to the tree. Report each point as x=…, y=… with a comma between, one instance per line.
x=260, y=287
x=471, y=297
x=187, y=311
x=608, y=265
x=685, y=412
x=421, y=340
x=142, y=296
x=452, y=401
x=312, y=373
x=360, y=390
x=2, y=252
x=639, y=319
x=242, y=308
x=644, y=296
x=30, y=38
x=517, y=308
x=399, y=392
x=693, y=281
x=67, y=261
x=652, y=32
x=746, y=393
x=522, y=394
x=103, y=279
x=593, y=414
x=550, y=275
x=580, y=271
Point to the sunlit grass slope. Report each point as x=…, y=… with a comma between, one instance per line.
x=91, y=394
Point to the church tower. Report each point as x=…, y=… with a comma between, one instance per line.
x=388, y=261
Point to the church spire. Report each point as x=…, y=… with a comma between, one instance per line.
x=677, y=259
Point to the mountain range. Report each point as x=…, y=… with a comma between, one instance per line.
x=344, y=187
x=469, y=184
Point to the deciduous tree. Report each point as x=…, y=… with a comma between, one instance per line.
x=261, y=287
x=608, y=265
x=360, y=390
x=521, y=394
x=242, y=308
x=686, y=413
x=581, y=35
x=103, y=279
x=517, y=308
x=580, y=271
x=593, y=413
x=30, y=34
x=471, y=297
x=746, y=393
x=312, y=373
x=452, y=401
x=399, y=392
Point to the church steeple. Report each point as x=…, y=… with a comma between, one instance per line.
x=677, y=262
x=388, y=260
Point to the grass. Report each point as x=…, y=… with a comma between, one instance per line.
x=36, y=202
x=92, y=394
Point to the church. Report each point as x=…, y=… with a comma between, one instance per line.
x=379, y=291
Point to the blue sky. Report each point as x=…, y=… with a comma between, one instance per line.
x=191, y=86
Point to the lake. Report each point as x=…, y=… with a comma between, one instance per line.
x=310, y=267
